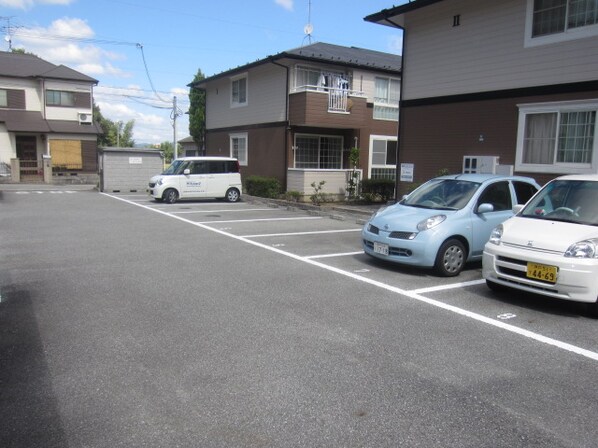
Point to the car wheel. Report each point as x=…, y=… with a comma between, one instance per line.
x=451, y=258
x=170, y=196
x=232, y=195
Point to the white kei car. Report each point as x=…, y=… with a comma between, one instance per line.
x=550, y=247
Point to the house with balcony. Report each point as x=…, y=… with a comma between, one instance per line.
x=46, y=123
x=507, y=85
x=296, y=115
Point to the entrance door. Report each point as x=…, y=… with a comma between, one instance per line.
x=27, y=154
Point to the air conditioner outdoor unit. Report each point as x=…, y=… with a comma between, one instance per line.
x=85, y=118
x=480, y=164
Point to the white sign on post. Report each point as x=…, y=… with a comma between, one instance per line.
x=407, y=172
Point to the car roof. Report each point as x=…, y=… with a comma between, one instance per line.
x=481, y=178
x=591, y=177
x=199, y=158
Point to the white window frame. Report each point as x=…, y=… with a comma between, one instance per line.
x=233, y=80
x=556, y=167
x=243, y=161
x=319, y=137
x=3, y=98
x=385, y=138
x=567, y=35
x=387, y=103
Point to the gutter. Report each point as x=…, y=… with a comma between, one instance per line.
x=400, y=127
x=286, y=118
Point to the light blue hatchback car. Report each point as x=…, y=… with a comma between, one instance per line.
x=445, y=222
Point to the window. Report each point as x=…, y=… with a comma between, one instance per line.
x=307, y=78
x=60, y=98
x=557, y=137
x=497, y=194
x=66, y=154
x=239, y=91
x=318, y=152
x=238, y=148
x=383, y=153
x=3, y=98
x=556, y=20
x=386, y=99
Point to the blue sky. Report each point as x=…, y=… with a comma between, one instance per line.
x=178, y=37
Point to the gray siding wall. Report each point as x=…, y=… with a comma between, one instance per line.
x=487, y=52
x=266, y=99
x=118, y=174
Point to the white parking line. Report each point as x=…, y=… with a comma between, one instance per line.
x=410, y=294
x=261, y=220
x=446, y=287
x=314, y=232
x=345, y=254
x=226, y=211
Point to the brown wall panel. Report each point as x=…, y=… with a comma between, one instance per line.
x=437, y=136
x=266, y=150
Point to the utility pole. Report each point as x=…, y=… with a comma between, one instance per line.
x=175, y=114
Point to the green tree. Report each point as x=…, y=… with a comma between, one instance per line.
x=114, y=133
x=166, y=148
x=197, y=112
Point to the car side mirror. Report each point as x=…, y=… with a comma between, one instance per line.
x=485, y=208
x=187, y=171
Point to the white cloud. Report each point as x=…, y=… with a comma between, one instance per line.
x=84, y=57
x=286, y=4
x=28, y=4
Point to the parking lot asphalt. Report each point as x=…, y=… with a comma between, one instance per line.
x=126, y=322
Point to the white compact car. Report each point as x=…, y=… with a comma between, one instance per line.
x=550, y=247
x=197, y=178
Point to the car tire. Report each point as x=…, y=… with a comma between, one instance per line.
x=232, y=195
x=451, y=257
x=170, y=196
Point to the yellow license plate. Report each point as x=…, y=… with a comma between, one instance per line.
x=541, y=272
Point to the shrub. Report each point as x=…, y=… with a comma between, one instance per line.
x=383, y=189
x=263, y=187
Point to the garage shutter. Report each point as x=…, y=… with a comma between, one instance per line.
x=66, y=154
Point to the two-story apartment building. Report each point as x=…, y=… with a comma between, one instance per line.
x=514, y=79
x=296, y=115
x=45, y=114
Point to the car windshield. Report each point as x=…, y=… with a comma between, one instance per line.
x=177, y=167
x=442, y=194
x=565, y=200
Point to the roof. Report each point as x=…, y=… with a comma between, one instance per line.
x=20, y=65
x=390, y=16
x=32, y=121
x=327, y=53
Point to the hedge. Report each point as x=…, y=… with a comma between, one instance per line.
x=263, y=187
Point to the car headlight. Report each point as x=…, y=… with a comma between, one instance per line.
x=432, y=221
x=583, y=249
x=496, y=235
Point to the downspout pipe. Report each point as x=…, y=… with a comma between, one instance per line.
x=286, y=119
x=400, y=127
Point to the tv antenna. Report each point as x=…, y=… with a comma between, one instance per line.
x=9, y=31
x=308, y=28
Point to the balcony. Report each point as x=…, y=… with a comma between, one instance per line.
x=318, y=106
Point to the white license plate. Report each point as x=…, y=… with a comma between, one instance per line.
x=380, y=248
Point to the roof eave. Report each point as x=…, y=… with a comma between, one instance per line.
x=287, y=55
x=384, y=17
